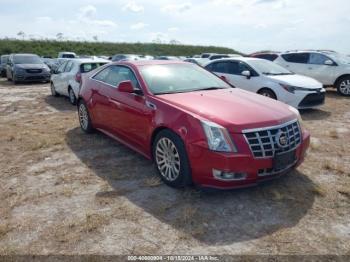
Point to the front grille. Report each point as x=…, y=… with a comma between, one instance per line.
x=263, y=141
x=313, y=100
x=35, y=78
x=34, y=71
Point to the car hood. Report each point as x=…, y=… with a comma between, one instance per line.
x=297, y=80
x=234, y=109
x=31, y=66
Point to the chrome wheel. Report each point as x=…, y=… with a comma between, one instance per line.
x=168, y=159
x=345, y=87
x=83, y=117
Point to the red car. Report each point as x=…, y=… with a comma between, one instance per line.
x=192, y=124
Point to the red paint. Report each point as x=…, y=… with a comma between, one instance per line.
x=130, y=119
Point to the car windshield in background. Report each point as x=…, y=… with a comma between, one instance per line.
x=27, y=59
x=179, y=78
x=87, y=67
x=268, y=68
x=68, y=56
x=340, y=58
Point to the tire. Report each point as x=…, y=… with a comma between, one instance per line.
x=268, y=93
x=343, y=86
x=170, y=159
x=84, y=118
x=72, y=98
x=53, y=90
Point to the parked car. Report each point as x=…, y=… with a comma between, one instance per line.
x=271, y=56
x=328, y=67
x=3, y=62
x=167, y=58
x=26, y=68
x=269, y=79
x=193, y=125
x=69, y=55
x=67, y=78
x=125, y=57
x=206, y=55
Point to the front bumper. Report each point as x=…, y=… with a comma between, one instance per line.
x=27, y=77
x=203, y=161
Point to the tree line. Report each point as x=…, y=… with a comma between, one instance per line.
x=52, y=47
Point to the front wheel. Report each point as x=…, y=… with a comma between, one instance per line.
x=84, y=118
x=53, y=90
x=171, y=159
x=268, y=93
x=72, y=98
x=343, y=86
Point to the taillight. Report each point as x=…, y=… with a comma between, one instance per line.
x=78, y=77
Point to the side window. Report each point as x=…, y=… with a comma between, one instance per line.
x=113, y=75
x=102, y=75
x=300, y=58
x=69, y=66
x=318, y=59
x=233, y=68
x=61, y=67
x=220, y=67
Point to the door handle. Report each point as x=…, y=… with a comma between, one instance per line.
x=114, y=102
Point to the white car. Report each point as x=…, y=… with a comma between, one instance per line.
x=69, y=55
x=328, y=67
x=66, y=79
x=271, y=80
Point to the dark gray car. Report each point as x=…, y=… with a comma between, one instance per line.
x=3, y=62
x=27, y=68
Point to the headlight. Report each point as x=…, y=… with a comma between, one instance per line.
x=19, y=70
x=300, y=120
x=218, y=137
x=292, y=89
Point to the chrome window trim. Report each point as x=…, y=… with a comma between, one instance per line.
x=270, y=127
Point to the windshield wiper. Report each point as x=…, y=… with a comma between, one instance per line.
x=210, y=88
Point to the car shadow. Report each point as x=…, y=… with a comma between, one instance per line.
x=60, y=103
x=213, y=217
x=314, y=114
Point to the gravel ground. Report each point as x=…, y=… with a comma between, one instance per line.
x=65, y=192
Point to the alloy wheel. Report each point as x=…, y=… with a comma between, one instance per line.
x=168, y=159
x=345, y=87
x=83, y=116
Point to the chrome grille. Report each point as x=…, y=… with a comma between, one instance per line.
x=263, y=141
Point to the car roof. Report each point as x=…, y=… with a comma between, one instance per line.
x=90, y=60
x=149, y=62
x=24, y=55
x=238, y=58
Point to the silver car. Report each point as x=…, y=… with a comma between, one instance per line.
x=27, y=68
x=66, y=79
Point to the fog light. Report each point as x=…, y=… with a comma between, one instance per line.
x=229, y=176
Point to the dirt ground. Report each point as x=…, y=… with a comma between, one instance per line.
x=65, y=192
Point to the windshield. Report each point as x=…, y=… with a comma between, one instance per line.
x=268, y=68
x=4, y=59
x=179, y=78
x=340, y=58
x=27, y=59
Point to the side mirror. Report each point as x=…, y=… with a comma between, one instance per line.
x=246, y=74
x=328, y=62
x=126, y=87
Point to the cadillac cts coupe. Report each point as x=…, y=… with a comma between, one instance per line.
x=193, y=125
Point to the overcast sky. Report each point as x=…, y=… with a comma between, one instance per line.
x=245, y=25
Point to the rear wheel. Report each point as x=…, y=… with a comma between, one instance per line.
x=343, y=86
x=84, y=118
x=72, y=98
x=268, y=93
x=53, y=90
x=171, y=159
